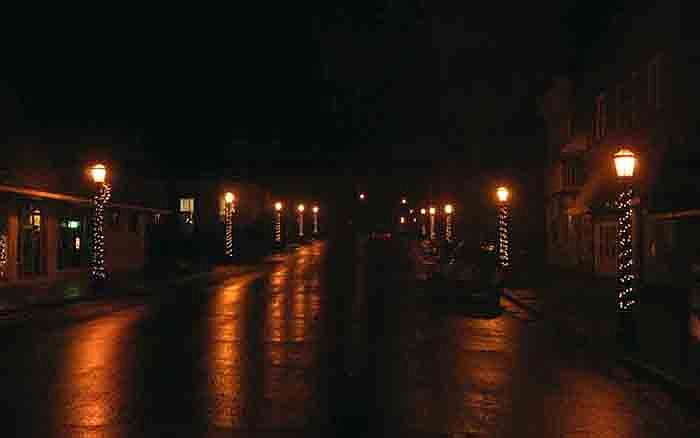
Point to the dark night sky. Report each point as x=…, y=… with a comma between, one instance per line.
x=406, y=83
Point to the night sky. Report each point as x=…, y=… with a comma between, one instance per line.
x=273, y=89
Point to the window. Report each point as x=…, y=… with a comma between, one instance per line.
x=654, y=82
x=187, y=210
x=134, y=223
x=115, y=219
x=573, y=173
x=156, y=218
x=600, y=120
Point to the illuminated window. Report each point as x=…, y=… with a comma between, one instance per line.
x=187, y=210
x=35, y=218
x=156, y=218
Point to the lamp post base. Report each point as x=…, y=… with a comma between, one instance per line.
x=627, y=331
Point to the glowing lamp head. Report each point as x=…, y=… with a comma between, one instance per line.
x=432, y=211
x=402, y=220
x=362, y=196
x=502, y=194
x=98, y=172
x=229, y=197
x=278, y=206
x=404, y=201
x=315, y=209
x=422, y=211
x=625, y=163
x=449, y=209
x=301, y=208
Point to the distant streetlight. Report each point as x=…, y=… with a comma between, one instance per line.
x=278, y=222
x=362, y=196
x=625, y=165
x=448, y=221
x=432, y=212
x=98, y=172
x=503, y=197
x=315, y=210
x=404, y=201
x=423, y=231
x=402, y=220
x=300, y=210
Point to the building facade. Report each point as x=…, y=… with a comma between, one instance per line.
x=45, y=211
x=637, y=92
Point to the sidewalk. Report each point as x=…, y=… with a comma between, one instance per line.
x=586, y=306
x=74, y=287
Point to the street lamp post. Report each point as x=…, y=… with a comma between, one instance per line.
x=448, y=221
x=315, y=210
x=278, y=222
x=300, y=210
x=625, y=165
x=432, y=212
x=98, y=273
x=229, y=198
x=503, y=197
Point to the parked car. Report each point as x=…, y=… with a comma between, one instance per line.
x=471, y=274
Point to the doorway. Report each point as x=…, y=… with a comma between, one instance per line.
x=30, y=243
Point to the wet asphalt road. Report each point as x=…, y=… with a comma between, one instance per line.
x=331, y=340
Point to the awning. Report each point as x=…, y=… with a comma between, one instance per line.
x=42, y=194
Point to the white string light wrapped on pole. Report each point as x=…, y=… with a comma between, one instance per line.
x=625, y=257
x=503, y=196
x=99, y=201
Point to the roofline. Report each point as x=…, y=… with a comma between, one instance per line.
x=74, y=199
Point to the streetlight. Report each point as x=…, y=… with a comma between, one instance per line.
x=229, y=198
x=98, y=172
x=315, y=210
x=278, y=222
x=448, y=221
x=423, y=232
x=432, y=212
x=362, y=196
x=300, y=209
x=404, y=201
x=625, y=165
x=503, y=197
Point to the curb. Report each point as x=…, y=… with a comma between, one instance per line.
x=138, y=289
x=682, y=392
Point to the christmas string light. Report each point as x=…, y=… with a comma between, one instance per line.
x=625, y=259
x=229, y=230
x=99, y=201
x=278, y=227
x=504, y=235
x=3, y=254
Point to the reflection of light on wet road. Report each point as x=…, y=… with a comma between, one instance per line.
x=92, y=390
x=590, y=405
x=289, y=358
x=485, y=363
x=225, y=397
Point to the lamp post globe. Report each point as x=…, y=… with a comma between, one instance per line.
x=98, y=172
x=502, y=194
x=625, y=163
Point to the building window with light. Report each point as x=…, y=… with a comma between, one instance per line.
x=187, y=210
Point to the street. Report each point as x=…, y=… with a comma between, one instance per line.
x=332, y=339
